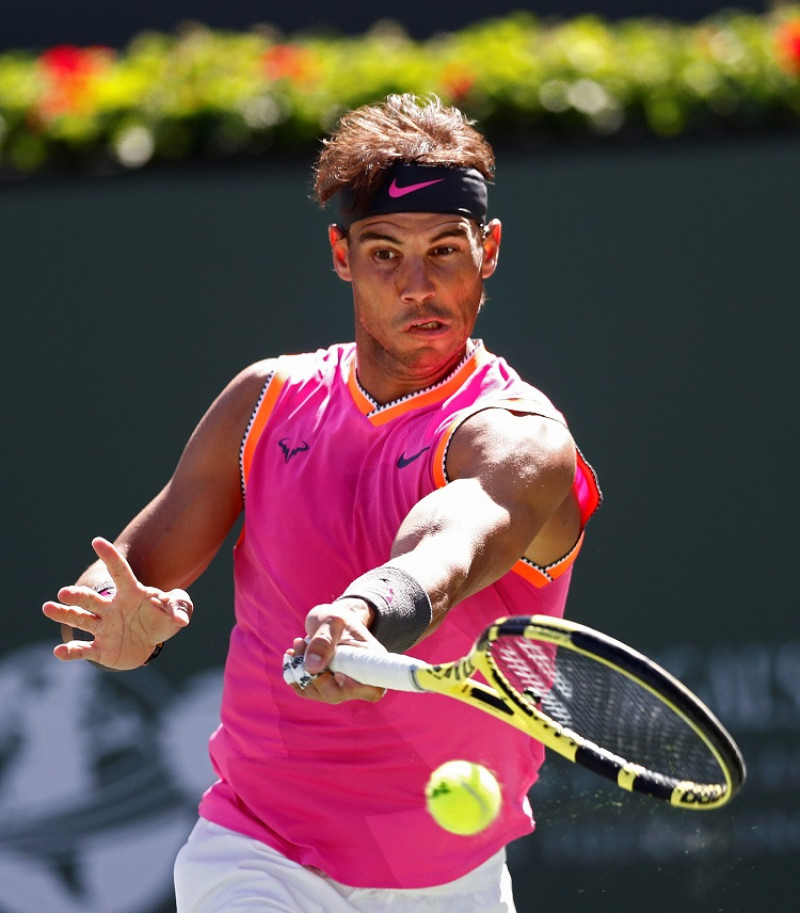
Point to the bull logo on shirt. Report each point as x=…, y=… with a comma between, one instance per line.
x=289, y=450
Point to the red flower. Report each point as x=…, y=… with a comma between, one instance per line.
x=787, y=40
x=64, y=61
x=68, y=73
x=287, y=61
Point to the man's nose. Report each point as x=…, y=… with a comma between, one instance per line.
x=415, y=282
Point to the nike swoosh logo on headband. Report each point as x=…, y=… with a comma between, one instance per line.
x=395, y=191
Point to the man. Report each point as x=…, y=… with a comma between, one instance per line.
x=398, y=493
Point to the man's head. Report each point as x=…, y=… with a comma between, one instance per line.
x=412, y=238
x=380, y=151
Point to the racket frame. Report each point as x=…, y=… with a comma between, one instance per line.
x=499, y=699
x=647, y=674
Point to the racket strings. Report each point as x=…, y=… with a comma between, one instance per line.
x=598, y=703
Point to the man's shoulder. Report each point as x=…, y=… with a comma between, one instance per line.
x=298, y=364
x=495, y=383
x=510, y=441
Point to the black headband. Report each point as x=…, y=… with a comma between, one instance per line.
x=409, y=187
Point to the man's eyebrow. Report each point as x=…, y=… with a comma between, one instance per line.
x=459, y=231
x=371, y=235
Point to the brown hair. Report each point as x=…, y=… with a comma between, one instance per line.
x=403, y=128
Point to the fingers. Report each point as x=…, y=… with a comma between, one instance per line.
x=74, y=622
x=330, y=687
x=178, y=605
x=72, y=616
x=344, y=621
x=336, y=688
x=118, y=568
x=74, y=649
x=79, y=610
x=325, y=630
x=319, y=652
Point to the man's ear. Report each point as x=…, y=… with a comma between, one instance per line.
x=491, y=247
x=340, y=251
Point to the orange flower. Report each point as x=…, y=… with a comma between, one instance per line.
x=288, y=61
x=787, y=41
x=458, y=80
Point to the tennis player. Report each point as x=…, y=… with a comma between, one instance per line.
x=399, y=492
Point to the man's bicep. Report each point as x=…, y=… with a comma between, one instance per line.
x=524, y=462
x=174, y=538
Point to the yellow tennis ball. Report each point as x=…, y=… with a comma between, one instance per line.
x=463, y=798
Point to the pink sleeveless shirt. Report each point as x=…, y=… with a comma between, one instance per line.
x=328, y=477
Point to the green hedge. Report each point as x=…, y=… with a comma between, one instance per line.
x=211, y=95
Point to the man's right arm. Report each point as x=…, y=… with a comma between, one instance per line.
x=167, y=545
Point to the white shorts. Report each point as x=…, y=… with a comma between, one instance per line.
x=219, y=870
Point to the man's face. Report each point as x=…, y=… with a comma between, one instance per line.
x=417, y=288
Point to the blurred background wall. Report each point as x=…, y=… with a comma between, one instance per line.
x=42, y=22
x=650, y=291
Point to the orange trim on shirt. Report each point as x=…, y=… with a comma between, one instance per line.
x=380, y=415
x=262, y=414
x=363, y=402
x=541, y=576
x=440, y=456
x=535, y=575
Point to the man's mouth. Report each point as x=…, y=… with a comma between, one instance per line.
x=428, y=325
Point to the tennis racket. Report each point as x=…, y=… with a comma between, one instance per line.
x=586, y=696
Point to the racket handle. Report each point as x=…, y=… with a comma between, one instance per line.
x=382, y=670
x=394, y=671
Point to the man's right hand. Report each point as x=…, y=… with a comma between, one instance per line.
x=127, y=625
x=342, y=622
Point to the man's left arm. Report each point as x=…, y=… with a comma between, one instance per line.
x=510, y=478
x=511, y=482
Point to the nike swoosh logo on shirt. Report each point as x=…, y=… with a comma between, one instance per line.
x=395, y=191
x=404, y=461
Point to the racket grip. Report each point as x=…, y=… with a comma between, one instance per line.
x=394, y=671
